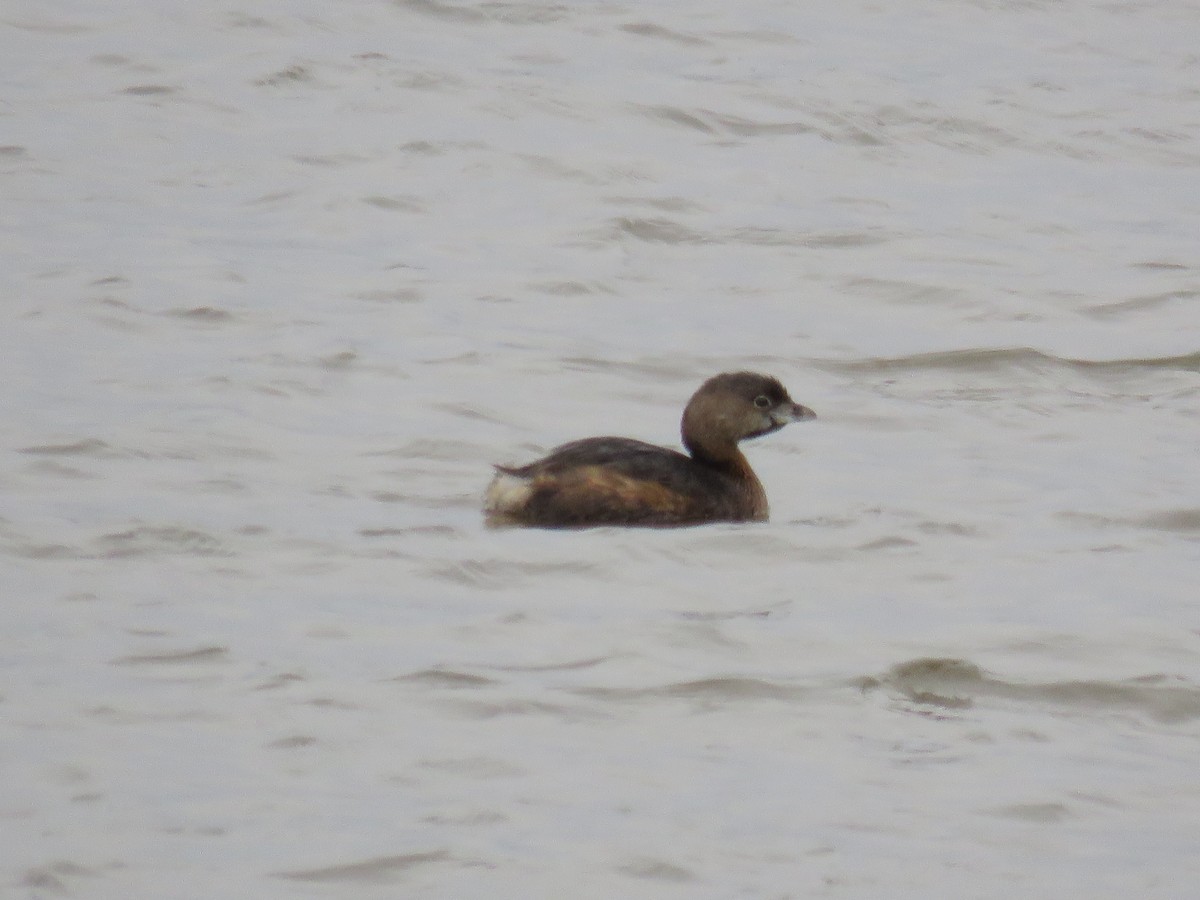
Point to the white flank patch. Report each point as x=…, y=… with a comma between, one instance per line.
x=507, y=493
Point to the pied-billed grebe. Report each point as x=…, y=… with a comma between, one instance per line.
x=619, y=481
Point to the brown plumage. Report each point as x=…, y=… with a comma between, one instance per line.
x=620, y=481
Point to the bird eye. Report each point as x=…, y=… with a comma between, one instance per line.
x=762, y=401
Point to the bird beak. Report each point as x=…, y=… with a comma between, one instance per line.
x=795, y=413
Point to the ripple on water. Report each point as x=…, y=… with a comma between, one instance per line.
x=657, y=870
x=160, y=540
x=959, y=684
x=483, y=709
x=503, y=573
x=56, y=877
x=89, y=447
x=177, y=657
x=1003, y=359
x=1139, y=304
x=1033, y=812
x=717, y=691
x=1185, y=521
x=207, y=315
x=445, y=678
x=377, y=870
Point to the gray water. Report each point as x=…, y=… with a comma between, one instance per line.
x=283, y=280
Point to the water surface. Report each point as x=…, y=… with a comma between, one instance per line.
x=284, y=280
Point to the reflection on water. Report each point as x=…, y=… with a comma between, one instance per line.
x=283, y=283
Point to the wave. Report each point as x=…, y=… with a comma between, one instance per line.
x=983, y=359
x=949, y=683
